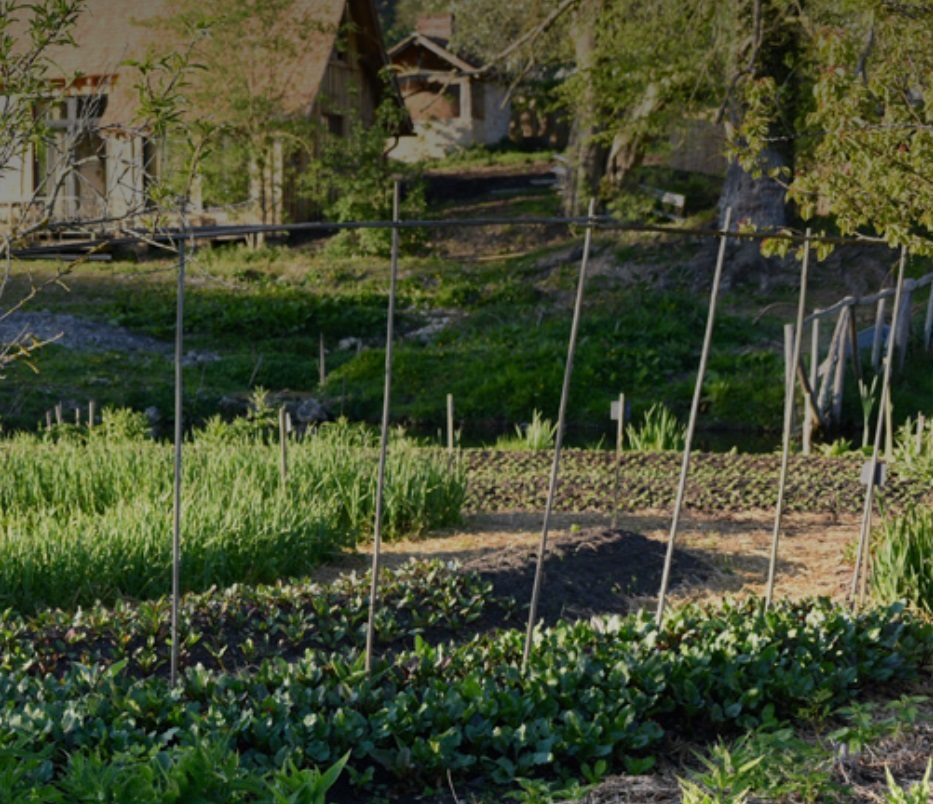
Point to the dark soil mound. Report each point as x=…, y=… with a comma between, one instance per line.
x=587, y=573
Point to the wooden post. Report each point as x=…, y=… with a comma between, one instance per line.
x=322, y=367
x=888, y=427
x=928, y=321
x=620, y=441
x=48, y=420
x=384, y=436
x=77, y=417
x=558, y=440
x=833, y=356
x=840, y=367
x=873, y=464
x=90, y=413
x=808, y=420
x=878, y=335
x=450, y=425
x=903, y=327
x=855, y=354
x=691, y=425
x=179, y=435
x=58, y=413
x=788, y=421
x=283, y=447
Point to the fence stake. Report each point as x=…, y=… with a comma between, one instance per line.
x=694, y=410
x=873, y=464
x=322, y=366
x=384, y=437
x=450, y=425
x=903, y=327
x=558, y=440
x=878, y=335
x=620, y=438
x=808, y=420
x=176, y=513
x=90, y=413
x=48, y=420
x=283, y=446
x=58, y=413
x=789, y=391
x=928, y=321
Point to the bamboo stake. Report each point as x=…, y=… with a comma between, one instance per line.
x=832, y=357
x=620, y=439
x=384, y=437
x=694, y=410
x=179, y=432
x=878, y=335
x=322, y=367
x=873, y=464
x=790, y=365
x=788, y=424
x=840, y=366
x=558, y=441
x=812, y=410
x=928, y=322
x=903, y=328
x=283, y=447
x=450, y=425
x=854, y=352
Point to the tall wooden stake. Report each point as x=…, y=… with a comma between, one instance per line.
x=383, y=439
x=620, y=439
x=558, y=441
x=691, y=426
x=789, y=393
x=179, y=431
x=876, y=447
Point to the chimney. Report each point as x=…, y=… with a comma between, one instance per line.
x=436, y=26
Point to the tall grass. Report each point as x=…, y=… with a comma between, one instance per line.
x=659, y=431
x=902, y=567
x=88, y=520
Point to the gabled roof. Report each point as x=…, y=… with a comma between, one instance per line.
x=108, y=33
x=417, y=40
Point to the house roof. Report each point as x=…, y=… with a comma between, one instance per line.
x=418, y=40
x=109, y=33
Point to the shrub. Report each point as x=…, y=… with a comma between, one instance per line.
x=659, y=431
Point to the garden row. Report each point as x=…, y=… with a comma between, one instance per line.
x=508, y=480
x=80, y=716
x=89, y=516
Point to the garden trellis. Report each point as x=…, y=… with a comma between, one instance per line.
x=590, y=224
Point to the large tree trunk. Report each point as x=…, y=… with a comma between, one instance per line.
x=759, y=201
x=587, y=154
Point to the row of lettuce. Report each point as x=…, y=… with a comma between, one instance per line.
x=598, y=697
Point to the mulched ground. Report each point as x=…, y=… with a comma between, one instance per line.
x=587, y=573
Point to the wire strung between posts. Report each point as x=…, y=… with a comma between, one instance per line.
x=558, y=442
x=176, y=518
x=790, y=388
x=879, y=428
x=383, y=440
x=603, y=222
x=691, y=426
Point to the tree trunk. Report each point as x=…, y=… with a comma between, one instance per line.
x=587, y=154
x=759, y=201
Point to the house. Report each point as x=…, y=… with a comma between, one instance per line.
x=451, y=106
x=100, y=161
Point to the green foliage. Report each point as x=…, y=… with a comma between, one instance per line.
x=86, y=521
x=598, y=696
x=538, y=434
x=660, y=431
x=913, y=450
x=352, y=180
x=918, y=794
x=902, y=560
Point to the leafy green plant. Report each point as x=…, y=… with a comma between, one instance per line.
x=918, y=794
x=913, y=456
x=659, y=431
x=538, y=434
x=902, y=560
x=293, y=785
